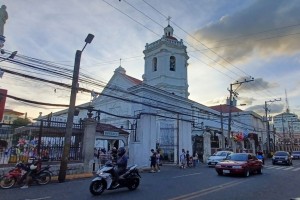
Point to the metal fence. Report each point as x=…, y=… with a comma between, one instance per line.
x=43, y=139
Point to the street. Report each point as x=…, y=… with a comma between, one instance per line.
x=172, y=183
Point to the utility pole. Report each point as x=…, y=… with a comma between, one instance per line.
x=231, y=92
x=283, y=131
x=69, y=125
x=267, y=122
x=222, y=129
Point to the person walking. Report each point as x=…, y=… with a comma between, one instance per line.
x=157, y=160
x=182, y=159
x=195, y=159
x=188, y=158
x=153, y=161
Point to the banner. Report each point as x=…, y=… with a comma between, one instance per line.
x=2, y=102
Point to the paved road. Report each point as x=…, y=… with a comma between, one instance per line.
x=172, y=183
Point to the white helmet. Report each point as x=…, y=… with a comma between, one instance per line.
x=33, y=167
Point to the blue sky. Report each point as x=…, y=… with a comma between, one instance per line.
x=226, y=40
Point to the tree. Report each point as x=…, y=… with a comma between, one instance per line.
x=21, y=122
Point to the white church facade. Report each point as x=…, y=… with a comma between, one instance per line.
x=156, y=111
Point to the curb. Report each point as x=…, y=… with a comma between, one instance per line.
x=74, y=176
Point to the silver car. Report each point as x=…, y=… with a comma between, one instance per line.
x=296, y=155
x=217, y=157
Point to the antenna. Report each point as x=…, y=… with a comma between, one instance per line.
x=287, y=103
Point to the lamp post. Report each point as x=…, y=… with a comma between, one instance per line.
x=69, y=125
x=267, y=122
x=12, y=56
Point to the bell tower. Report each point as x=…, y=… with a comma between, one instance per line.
x=166, y=64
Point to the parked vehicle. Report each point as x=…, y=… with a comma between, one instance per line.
x=296, y=155
x=14, y=176
x=239, y=163
x=282, y=157
x=103, y=180
x=217, y=157
x=18, y=175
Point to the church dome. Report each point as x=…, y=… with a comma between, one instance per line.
x=169, y=32
x=120, y=70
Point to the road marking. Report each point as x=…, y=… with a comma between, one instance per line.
x=296, y=169
x=288, y=168
x=279, y=167
x=270, y=167
x=48, y=197
x=207, y=191
x=186, y=175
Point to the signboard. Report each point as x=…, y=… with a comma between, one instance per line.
x=111, y=133
x=2, y=102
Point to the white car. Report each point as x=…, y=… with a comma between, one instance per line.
x=217, y=157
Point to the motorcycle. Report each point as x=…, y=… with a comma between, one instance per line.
x=18, y=175
x=261, y=158
x=104, y=179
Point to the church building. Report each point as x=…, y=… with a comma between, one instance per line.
x=156, y=110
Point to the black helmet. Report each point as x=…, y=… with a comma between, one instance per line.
x=121, y=151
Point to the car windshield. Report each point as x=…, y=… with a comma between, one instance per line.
x=280, y=154
x=220, y=153
x=296, y=152
x=238, y=157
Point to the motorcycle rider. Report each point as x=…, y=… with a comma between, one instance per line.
x=34, y=166
x=121, y=165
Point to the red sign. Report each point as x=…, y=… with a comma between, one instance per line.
x=3, y=94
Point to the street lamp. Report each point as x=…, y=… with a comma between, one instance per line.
x=267, y=122
x=69, y=125
x=12, y=56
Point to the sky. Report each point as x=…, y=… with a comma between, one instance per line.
x=227, y=41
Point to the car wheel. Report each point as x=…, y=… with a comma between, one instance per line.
x=220, y=173
x=247, y=173
x=259, y=171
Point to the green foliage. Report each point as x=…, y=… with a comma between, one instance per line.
x=21, y=122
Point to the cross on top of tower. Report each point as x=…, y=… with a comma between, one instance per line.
x=169, y=19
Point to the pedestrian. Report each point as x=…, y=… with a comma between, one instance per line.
x=195, y=159
x=188, y=158
x=182, y=159
x=157, y=160
x=153, y=161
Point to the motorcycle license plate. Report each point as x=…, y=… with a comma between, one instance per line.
x=225, y=171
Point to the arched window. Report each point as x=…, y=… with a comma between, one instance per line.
x=172, y=63
x=154, y=64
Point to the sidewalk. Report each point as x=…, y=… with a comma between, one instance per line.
x=74, y=176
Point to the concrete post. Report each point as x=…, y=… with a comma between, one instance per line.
x=206, y=146
x=88, y=144
x=234, y=145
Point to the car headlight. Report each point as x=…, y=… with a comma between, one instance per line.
x=218, y=165
x=237, y=167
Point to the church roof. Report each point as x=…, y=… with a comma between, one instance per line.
x=134, y=80
x=171, y=38
x=225, y=108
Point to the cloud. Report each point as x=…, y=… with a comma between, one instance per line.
x=247, y=33
x=273, y=109
x=255, y=85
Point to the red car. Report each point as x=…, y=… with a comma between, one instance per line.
x=240, y=163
